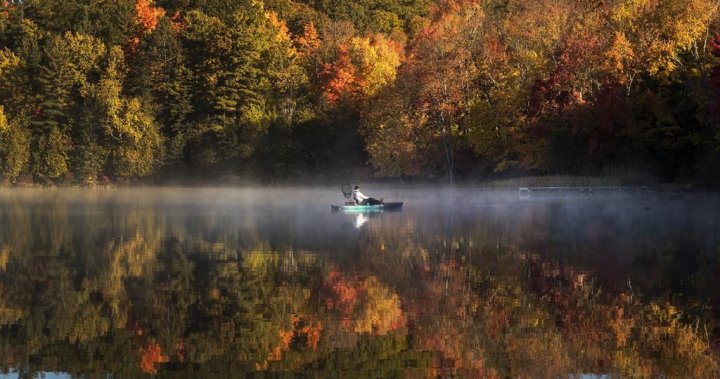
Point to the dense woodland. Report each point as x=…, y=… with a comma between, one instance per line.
x=97, y=91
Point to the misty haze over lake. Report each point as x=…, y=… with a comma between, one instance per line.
x=268, y=281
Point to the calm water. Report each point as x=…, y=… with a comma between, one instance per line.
x=269, y=283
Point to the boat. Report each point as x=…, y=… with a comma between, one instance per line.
x=396, y=206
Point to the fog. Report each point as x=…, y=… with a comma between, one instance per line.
x=585, y=229
x=176, y=267
x=609, y=236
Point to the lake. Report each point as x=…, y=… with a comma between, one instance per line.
x=270, y=283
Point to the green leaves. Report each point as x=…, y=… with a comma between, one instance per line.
x=14, y=147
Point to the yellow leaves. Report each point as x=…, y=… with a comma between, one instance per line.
x=4, y=257
x=261, y=260
x=80, y=54
x=381, y=312
x=10, y=315
x=3, y=121
x=283, y=34
x=364, y=66
x=127, y=123
x=377, y=59
x=255, y=115
x=619, y=54
x=629, y=11
x=654, y=33
x=661, y=344
x=8, y=62
x=631, y=365
x=86, y=50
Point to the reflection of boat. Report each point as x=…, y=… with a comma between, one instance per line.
x=368, y=208
x=360, y=220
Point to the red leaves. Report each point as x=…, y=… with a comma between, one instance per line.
x=341, y=296
x=177, y=21
x=339, y=78
x=5, y=9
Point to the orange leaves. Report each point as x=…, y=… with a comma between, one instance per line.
x=147, y=15
x=363, y=67
x=286, y=338
x=177, y=22
x=621, y=327
x=619, y=54
x=150, y=356
x=364, y=305
x=339, y=78
x=312, y=331
x=308, y=42
x=146, y=20
x=300, y=328
x=342, y=296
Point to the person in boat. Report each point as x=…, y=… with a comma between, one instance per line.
x=361, y=199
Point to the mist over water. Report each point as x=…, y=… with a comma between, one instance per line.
x=183, y=282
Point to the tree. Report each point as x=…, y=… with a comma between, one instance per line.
x=233, y=83
x=130, y=133
x=69, y=62
x=339, y=78
x=14, y=147
x=650, y=36
x=393, y=137
x=438, y=76
x=377, y=60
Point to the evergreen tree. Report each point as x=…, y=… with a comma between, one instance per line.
x=129, y=131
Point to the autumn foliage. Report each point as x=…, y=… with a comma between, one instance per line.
x=423, y=88
x=339, y=77
x=363, y=305
x=150, y=356
x=148, y=14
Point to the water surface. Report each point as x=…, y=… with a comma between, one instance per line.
x=268, y=282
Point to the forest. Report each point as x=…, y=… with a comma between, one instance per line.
x=98, y=92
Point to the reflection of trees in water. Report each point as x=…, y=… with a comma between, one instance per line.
x=130, y=291
x=491, y=306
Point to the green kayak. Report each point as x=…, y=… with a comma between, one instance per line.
x=368, y=208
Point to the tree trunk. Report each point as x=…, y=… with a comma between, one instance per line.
x=449, y=154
